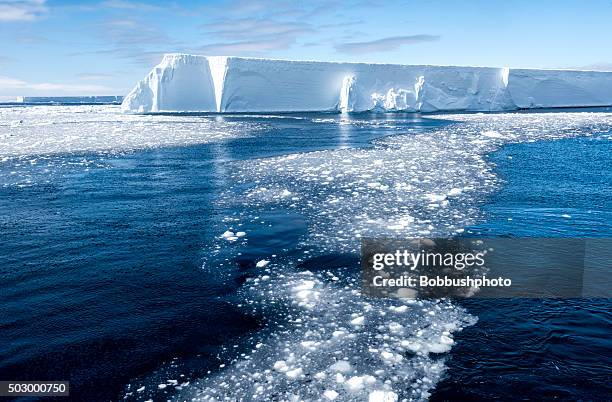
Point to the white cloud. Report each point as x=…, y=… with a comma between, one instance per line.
x=252, y=36
x=21, y=10
x=255, y=47
x=130, y=5
x=384, y=44
x=16, y=87
x=258, y=27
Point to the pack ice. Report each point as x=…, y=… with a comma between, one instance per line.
x=191, y=83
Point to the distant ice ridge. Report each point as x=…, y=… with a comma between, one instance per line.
x=191, y=83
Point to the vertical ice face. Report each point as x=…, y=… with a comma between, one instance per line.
x=218, y=69
x=345, y=104
x=505, y=73
x=559, y=88
x=260, y=85
x=183, y=83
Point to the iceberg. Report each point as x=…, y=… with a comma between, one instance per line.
x=221, y=84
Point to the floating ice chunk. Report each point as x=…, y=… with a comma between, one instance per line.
x=399, y=309
x=240, y=234
x=358, y=321
x=262, y=263
x=406, y=293
x=281, y=365
x=229, y=236
x=309, y=344
x=396, y=328
x=424, y=345
x=436, y=197
x=330, y=394
x=454, y=192
x=341, y=366
x=357, y=383
x=382, y=396
x=295, y=373
x=320, y=376
x=162, y=386
x=566, y=216
x=413, y=346
x=492, y=134
x=387, y=355
x=141, y=389
x=391, y=357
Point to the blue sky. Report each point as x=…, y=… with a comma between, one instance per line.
x=103, y=47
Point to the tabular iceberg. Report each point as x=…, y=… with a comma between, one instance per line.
x=191, y=83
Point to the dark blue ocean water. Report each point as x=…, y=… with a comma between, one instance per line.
x=542, y=349
x=103, y=281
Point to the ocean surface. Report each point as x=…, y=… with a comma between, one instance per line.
x=199, y=256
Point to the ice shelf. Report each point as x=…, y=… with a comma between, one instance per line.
x=191, y=83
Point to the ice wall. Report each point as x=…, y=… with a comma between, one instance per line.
x=180, y=82
x=559, y=88
x=184, y=83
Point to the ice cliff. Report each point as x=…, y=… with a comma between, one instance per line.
x=190, y=83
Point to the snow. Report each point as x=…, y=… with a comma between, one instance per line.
x=191, y=83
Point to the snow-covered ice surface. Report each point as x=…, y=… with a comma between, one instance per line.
x=46, y=130
x=184, y=83
x=323, y=338
x=33, y=138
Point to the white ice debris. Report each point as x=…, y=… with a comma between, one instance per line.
x=492, y=134
x=280, y=365
x=330, y=394
x=454, y=192
x=295, y=373
x=341, y=366
x=229, y=236
x=382, y=396
x=262, y=263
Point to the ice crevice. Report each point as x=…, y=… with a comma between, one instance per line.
x=192, y=83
